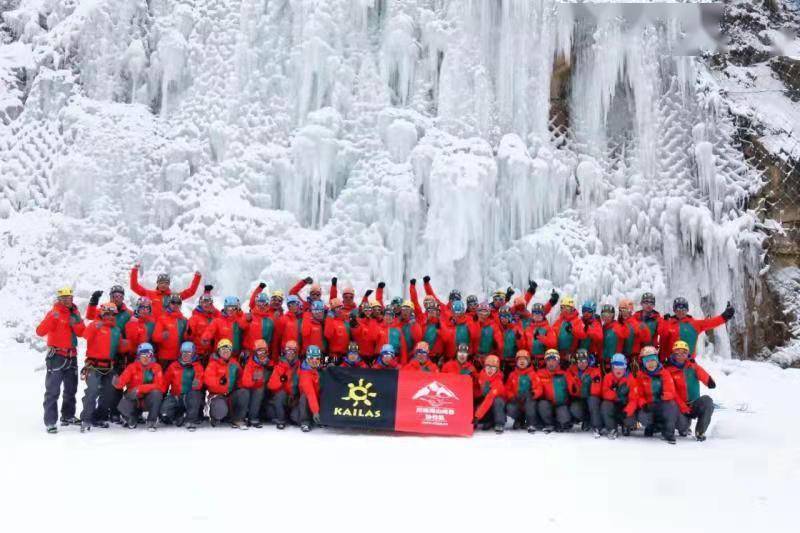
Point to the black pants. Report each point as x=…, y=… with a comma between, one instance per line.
x=60, y=370
x=300, y=413
x=188, y=404
x=151, y=402
x=587, y=410
x=97, y=396
x=613, y=414
x=255, y=401
x=524, y=411
x=664, y=414
x=702, y=409
x=235, y=405
x=554, y=416
x=496, y=415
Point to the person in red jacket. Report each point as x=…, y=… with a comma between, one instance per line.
x=362, y=332
x=490, y=338
x=338, y=331
x=291, y=324
x=283, y=385
x=540, y=337
x=160, y=295
x=683, y=327
x=253, y=380
x=202, y=317
x=225, y=398
x=388, y=330
x=232, y=324
x=62, y=326
x=569, y=330
x=421, y=361
x=314, y=293
x=431, y=328
x=586, y=392
x=182, y=386
x=460, y=329
x=523, y=389
x=409, y=326
x=141, y=327
x=348, y=296
x=650, y=318
x=142, y=385
x=462, y=365
x=313, y=329
x=386, y=359
x=638, y=332
x=553, y=407
x=688, y=375
x=658, y=402
x=614, y=335
x=620, y=391
x=352, y=358
x=104, y=342
x=593, y=341
x=262, y=324
x=491, y=411
x=512, y=339
x=445, y=309
x=170, y=332
x=306, y=410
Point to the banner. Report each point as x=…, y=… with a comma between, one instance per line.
x=391, y=400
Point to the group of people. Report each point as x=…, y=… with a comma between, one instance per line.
x=608, y=372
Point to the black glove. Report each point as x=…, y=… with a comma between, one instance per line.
x=518, y=335
x=553, y=298
x=284, y=378
x=727, y=314
x=262, y=285
x=535, y=334
x=353, y=322
x=334, y=280
x=509, y=294
x=568, y=327
x=381, y=284
x=361, y=314
x=309, y=280
x=532, y=285
x=613, y=386
x=711, y=383
x=667, y=316
x=315, y=418
x=223, y=380
x=95, y=299
x=413, y=281
x=426, y=279
x=367, y=293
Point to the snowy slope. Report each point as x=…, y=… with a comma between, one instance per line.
x=743, y=478
x=373, y=139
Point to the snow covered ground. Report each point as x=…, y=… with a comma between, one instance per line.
x=744, y=478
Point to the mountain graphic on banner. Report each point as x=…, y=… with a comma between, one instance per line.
x=435, y=394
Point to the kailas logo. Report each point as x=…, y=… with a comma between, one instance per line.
x=358, y=394
x=435, y=394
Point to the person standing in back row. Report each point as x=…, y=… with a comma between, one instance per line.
x=160, y=295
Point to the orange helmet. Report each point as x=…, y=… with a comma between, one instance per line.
x=523, y=353
x=625, y=303
x=492, y=360
x=260, y=344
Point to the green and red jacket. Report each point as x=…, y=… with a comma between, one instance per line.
x=179, y=379
x=104, y=341
x=545, y=338
x=593, y=341
x=263, y=325
x=638, y=336
x=623, y=390
x=169, y=334
x=139, y=330
x=658, y=386
x=198, y=323
x=227, y=326
x=509, y=343
x=62, y=327
x=427, y=366
x=687, y=380
x=614, y=335
x=122, y=317
x=586, y=383
x=285, y=369
x=688, y=330
x=523, y=384
x=490, y=338
x=489, y=388
x=567, y=342
x=459, y=330
x=555, y=386
x=159, y=298
x=220, y=376
x=144, y=379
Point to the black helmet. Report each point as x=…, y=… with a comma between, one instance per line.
x=472, y=300
x=117, y=289
x=607, y=308
x=648, y=298
x=175, y=299
x=680, y=303
x=455, y=294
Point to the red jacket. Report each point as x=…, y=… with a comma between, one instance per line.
x=291, y=330
x=386, y=333
x=232, y=327
x=288, y=370
x=624, y=389
x=221, y=376
x=169, y=334
x=313, y=332
x=523, y=384
x=143, y=379
x=688, y=392
x=647, y=387
x=593, y=341
x=567, y=342
x=638, y=336
x=545, y=338
x=427, y=366
x=377, y=364
x=364, y=336
x=104, y=340
x=337, y=334
x=556, y=385
x=586, y=383
x=489, y=339
x=433, y=332
x=614, y=335
x=62, y=327
x=688, y=330
x=160, y=298
x=179, y=379
x=266, y=326
x=489, y=388
x=655, y=325
x=309, y=386
x=457, y=330
x=139, y=330
x=360, y=364
x=198, y=324
x=253, y=376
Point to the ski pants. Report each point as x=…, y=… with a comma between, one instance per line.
x=497, y=414
x=60, y=370
x=613, y=414
x=97, y=394
x=555, y=416
x=234, y=404
x=524, y=411
x=702, y=409
x=587, y=410
x=255, y=401
x=300, y=413
x=150, y=402
x=188, y=404
x=663, y=413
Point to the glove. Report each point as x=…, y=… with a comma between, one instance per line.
x=413, y=281
x=568, y=327
x=728, y=313
x=381, y=284
x=535, y=335
x=711, y=383
x=262, y=285
x=95, y=299
x=426, y=279
x=532, y=285
x=223, y=380
x=283, y=378
x=209, y=288
x=309, y=280
x=315, y=418
x=367, y=293
x=353, y=322
x=334, y=280
x=132, y=394
x=614, y=386
x=509, y=294
x=518, y=335
x=667, y=316
x=553, y=297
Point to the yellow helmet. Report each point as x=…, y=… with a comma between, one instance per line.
x=680, y=345
x=552, y=353
x=407, y=303
x=568, y=301
x=224, y=343
x=277, y=294
x=64, y=291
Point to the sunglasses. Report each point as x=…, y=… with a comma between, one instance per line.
x=648, y=358
x=316, y=293
x=424, y=352
x=491, y=366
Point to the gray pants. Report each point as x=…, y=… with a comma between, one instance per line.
x=524, y=411
x=664, y=414
x=613, y=414
x=278, y=407
x=497, y=414
x=235, y=405
x=188, y=404
x=300, y=413
x=255, y=400
x=97, y=395
x=587, y=410
x=130, y=409
x=60, y=370
x=702, y=409
x=554, y=416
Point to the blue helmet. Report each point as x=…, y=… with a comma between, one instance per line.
x=187, y=346
x=144, y=347
x=317, y=305
x=262, y=298
x=458, y=307
x=387, y=348
x=619, y=360
x=231, y=301
x=313, y=351
x=292, y=299
x=589, y=306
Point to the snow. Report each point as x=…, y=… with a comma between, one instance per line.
x=742, y=478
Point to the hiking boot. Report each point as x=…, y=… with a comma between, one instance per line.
x=648, y=431
x=151, y=425
x=179, y=420
x=612, y=434
x=498, y=428
x=101, y=424
x=213, y=421
x=256, y=424
x=70, y=421
x=701, y=437
x=238, y=424
x=52, y=429
x=305, y=428
x=85, y=427
x=670, y=439
x=280, y=425
x=191, y=426
x=548, y=429
x=597, y=434
x=531, y=429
